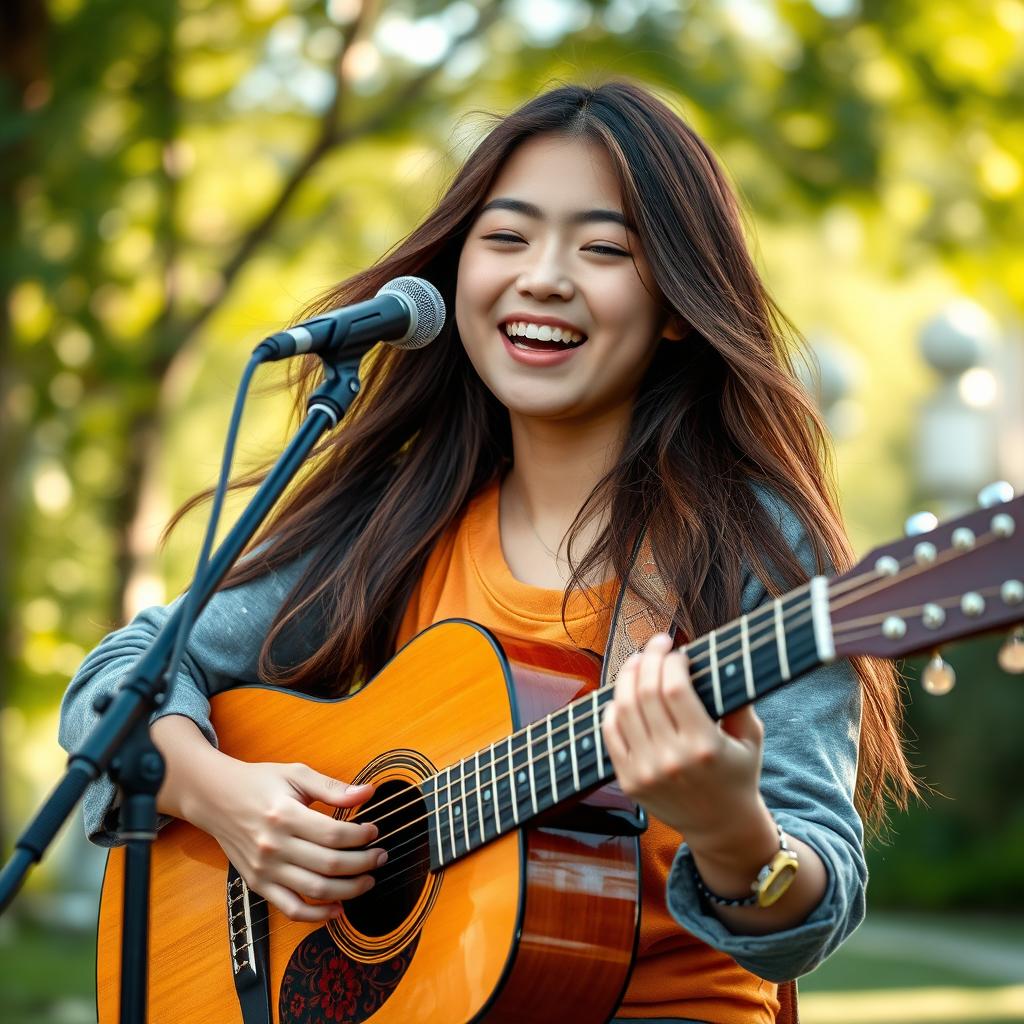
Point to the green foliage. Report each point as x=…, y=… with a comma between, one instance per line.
x=181, y=177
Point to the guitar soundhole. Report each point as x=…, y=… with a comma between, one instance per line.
x=402, y=820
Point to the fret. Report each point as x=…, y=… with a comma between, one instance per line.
x=780, y=640
x=716, y=682
x=584, y=728
x=491, y=794
x=540, y=773
x=469, y=807
x=523, y=775
x=461, y=810
x=510, y=776
x=447, y=804
x=598, y=745
x=571, y=716
x=429, y=790
x=748, y=671
x=822, y=619
x=529, y=768
x=479, y=797
x=551, y=764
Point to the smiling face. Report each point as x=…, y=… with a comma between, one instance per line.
x=550, y=246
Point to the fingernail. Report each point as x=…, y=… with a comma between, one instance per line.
x=374, y=831
x=662, y=640
x=382, y=859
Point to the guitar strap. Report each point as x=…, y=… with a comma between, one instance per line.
x=639, y=614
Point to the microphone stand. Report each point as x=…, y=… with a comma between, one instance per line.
x=120, y=743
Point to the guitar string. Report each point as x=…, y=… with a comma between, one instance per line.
x=728, y=645
x=524, y=732
x=846, y=631
x=757, y=617
x=756, y=641
x=885, y=581
x=764, y=638
x=396, y=878
x=494, y=778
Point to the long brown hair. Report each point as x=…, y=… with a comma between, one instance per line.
x=718, y=417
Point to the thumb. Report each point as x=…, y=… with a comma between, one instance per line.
x=744, y=725
x=316, y=786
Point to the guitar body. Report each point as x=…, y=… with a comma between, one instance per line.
x=534, y=922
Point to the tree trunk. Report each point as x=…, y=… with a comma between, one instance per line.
x=24, y=27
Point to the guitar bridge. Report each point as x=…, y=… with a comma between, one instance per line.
x=249, y=945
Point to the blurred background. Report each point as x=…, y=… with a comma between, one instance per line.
x=178, y=177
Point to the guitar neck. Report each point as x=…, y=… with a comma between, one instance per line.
x=562, y=757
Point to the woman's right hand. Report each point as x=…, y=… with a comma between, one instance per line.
x=286, y=851
x=259, y=813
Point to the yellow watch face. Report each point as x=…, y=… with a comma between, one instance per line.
x=778, y=878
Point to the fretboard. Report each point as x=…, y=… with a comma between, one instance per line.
x=562, y=757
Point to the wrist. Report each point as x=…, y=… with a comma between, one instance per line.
x=190, y=763
x=747, y=837
x=769, y=882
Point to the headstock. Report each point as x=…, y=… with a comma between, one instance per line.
x=963, y=577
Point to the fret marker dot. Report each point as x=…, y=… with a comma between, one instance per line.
x=585, y=743
x=487, y=794
x=521, y=778
x=730, y=670
x=562, y=757
x=458, y=811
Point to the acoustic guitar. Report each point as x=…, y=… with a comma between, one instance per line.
x=511, y=892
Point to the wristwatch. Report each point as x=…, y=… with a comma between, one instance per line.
x=771, y=881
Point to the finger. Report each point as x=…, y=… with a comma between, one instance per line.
x=321, y=888
x=293, y=906
x=744, y=725
x=628, y=720
x=334, y=863
x=614, y=743
x=334, y=833
x=315, y=785
x=685, y=707
x=648, y=687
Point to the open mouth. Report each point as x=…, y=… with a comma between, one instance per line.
x=541, y=337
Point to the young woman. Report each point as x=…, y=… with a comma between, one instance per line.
x=612, y=365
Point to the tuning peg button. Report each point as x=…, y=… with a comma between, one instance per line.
x=938, y=677
x=1011, y=654
x=997, y=493
x=920, y=522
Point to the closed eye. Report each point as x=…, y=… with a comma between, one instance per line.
x=604, y=250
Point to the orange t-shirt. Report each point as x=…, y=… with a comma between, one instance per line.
x=466, y=576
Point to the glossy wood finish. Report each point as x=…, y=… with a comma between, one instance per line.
x=505, y=917
x=576, y=946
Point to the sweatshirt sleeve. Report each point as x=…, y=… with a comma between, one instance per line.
x=811, y=737
x=222, y=650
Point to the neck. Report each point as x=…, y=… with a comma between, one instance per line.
x=556, y=465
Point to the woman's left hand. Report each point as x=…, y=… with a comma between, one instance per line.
x=695, y=775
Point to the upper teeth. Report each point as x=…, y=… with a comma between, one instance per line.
x=542, y=332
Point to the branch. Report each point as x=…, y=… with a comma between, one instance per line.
x=329, y=137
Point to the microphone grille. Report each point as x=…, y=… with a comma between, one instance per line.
x=426, y=309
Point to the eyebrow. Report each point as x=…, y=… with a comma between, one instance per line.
x=580, y=217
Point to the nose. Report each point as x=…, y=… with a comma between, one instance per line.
x=544, y=277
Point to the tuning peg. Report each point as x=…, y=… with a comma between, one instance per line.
x=1011, y=654
x=997, y=493
x=920, y=522
x=938, y=677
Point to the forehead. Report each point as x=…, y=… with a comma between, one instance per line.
x=559, y=174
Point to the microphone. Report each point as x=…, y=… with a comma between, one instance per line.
x=407, y=313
